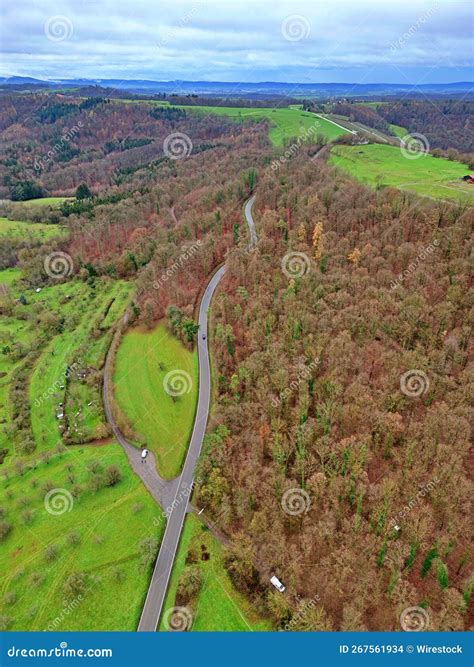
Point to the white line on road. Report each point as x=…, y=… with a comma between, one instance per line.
x=346, y=129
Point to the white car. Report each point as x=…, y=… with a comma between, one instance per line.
x=144, y=454
x=277, y=583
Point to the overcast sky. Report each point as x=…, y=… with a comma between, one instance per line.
x=366, y=41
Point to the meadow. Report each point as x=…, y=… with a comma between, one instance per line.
x=77, y=569
x=284, y=123
x=81, y=345
x=41, y=334
x=162, y=421
x=382, y=165
x=37, y=230
x=46, y=201
x=398, y=130
x=218, y=606
x=9, y=276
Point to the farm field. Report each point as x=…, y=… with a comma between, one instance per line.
x=218, y=606
x=375, y=164
x=37, y=230
x=160, y=420
x=75, y=570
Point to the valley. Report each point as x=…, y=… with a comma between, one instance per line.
x=261, y=287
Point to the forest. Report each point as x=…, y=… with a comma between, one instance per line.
x=338, y=450
x=447, y=124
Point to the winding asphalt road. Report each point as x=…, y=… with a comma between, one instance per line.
x=176, y=510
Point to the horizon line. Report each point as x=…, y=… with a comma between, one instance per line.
x=312, y=83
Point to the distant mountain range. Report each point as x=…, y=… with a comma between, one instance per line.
x=243, y=89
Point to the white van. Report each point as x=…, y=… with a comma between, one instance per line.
x=277, y=583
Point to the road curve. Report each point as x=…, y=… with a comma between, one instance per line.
x=177, y=509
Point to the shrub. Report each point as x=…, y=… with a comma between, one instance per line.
x=10, y=598
x=148, y=549
x=112, y=476
x=47, y=486
x=27, y=516
x=24, y=501
x=189, y=584
x=73, y=539
x=51, y=552
x=5, y=528
x=96, y=483
x=94, y=467
x=76, y=491
x=75, y=585
x=4, y=623
x=36, y=578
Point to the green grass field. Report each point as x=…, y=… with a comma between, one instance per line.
x=162, y=422
x=81, y=317
x=398, y=130
x=42, y=550
x=36, y=230
x=83, y=309
x=370, y=104
x=15, y=335
x=46, y=201
x=377, y=164
x=64, y=323
x=218, y=605
x=285, y=123
x=9, y=276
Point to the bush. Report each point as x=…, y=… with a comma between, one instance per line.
x=96, y=483
x=76, y=491
x=73, y=539
x=5, y=529
x=112, y=476
x=36, y=578
x=148, y=550
x=27, y=516
x=47, y=486
x=189, y=584
x=94, y=467
x=51, y=552
x=4, y=623
x=10, y=598
x=75, y=585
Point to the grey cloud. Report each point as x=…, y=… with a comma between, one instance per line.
x=225, y=39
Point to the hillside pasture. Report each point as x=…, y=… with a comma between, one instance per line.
x=218, y=606
x=82, y=539
x=382, y=165
x=161, y=421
